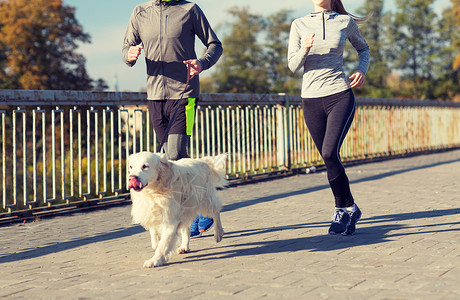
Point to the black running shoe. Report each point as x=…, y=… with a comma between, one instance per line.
x=354, y=218
x=340, y=219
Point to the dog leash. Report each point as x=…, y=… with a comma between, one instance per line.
x=175, y=113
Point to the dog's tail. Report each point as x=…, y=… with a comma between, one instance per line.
x=218, y=165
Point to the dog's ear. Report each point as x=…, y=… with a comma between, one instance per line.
x=165, y=172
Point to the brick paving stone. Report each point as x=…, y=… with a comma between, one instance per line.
x=275, y=245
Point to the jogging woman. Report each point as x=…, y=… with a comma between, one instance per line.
x=316, y=44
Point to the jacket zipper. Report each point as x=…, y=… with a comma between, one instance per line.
x=165, y=35
x=324, y=28
x=161, y=51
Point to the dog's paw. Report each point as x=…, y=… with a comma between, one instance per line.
x=218, y=236
x=149, y=264
x=154, y=262
x=182, y=250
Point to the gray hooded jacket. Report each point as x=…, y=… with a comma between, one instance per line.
x=167, y=31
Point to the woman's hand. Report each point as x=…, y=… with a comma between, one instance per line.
x=358, y=78
x=308, y=42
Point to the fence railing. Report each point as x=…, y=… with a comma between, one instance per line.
x=62, y=148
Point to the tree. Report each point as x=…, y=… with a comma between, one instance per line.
x=456, y=40
x=448, y=62
x=100, y=85
x=240, y=69
x=373, y=31
x=281, y=79
x=2, y=65
x=207, y=85
x=412, y=38
x=39, y=40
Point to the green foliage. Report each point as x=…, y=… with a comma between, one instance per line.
x=100, y=85
x=240, y=70
x=412, y=53
x=373, y=31
x=281, y=79
x=447, y=71
x=255, y=56
x=455, y=11
x=413, y=38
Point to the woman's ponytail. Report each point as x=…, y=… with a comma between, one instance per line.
x=337, y=6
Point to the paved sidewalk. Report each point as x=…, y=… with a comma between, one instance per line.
x=276, y=246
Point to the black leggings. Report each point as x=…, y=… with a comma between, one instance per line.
x=328, y=120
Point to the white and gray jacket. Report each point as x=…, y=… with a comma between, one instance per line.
x=167, y=30
x=323, y=72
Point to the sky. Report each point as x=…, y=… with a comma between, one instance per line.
x=106, y=22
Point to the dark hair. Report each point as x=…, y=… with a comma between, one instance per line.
x=337, y=6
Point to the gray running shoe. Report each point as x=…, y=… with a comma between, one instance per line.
x=354, y=218
x=340, y=219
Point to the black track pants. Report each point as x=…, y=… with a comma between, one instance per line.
x=328, y=120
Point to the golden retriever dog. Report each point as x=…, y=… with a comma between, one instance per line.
x=168, y=195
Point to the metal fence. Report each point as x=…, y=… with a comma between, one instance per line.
x=67, y=148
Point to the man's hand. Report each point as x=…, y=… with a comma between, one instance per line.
x=358, y=79
x=195, y=67
x=308, y=42
x=134, y=52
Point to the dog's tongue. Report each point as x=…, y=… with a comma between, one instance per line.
x=134, y=183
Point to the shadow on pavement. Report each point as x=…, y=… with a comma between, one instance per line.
x=397, y=172
x=365, y=236
x=237, y=205
x=63, y=246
